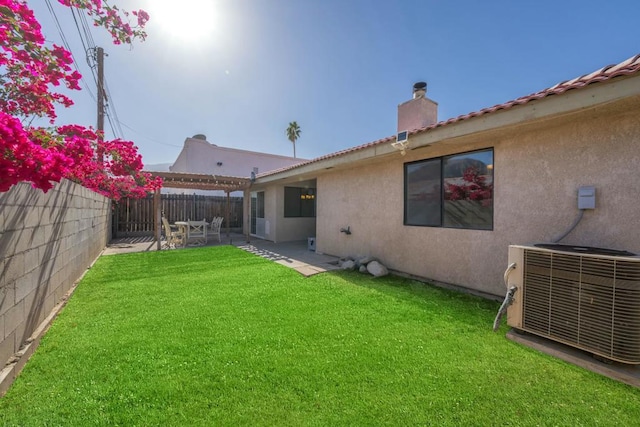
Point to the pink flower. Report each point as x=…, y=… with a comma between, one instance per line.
x=29, y=70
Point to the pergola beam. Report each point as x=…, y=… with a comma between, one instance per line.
x=195, y=181
x=192, y=181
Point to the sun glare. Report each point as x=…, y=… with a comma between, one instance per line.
x=186, y=20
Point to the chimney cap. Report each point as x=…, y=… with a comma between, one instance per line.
x=419, y=90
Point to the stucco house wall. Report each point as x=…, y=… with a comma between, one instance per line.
x=292, y=229
x=582, y=132
x=538, y=170
x=278, y=228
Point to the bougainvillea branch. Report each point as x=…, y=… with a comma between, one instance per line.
x=29, y=70
x=113, y=19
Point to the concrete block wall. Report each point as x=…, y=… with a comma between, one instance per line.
x=47, y=240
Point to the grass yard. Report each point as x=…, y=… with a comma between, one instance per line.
x=217, y=336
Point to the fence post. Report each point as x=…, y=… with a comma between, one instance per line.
x=158, y=218
x=227, y=215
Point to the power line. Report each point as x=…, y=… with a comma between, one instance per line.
x=88, y=42
x=111, y=126
x=90, y=48
x=111, y=107
x=87, y=29
x=150, y=139
x=68, y=47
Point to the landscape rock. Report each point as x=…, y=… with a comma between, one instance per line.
x=376, y=269
x=366, y=260
x=348, y=265
x=363, y=269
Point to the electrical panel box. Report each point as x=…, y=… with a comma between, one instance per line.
x=587, y=197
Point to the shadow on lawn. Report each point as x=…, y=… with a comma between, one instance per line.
x=456, y=305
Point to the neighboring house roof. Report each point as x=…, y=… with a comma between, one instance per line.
x=625, y=68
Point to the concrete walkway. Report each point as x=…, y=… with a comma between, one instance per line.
x=290, y=254
x=293, y=255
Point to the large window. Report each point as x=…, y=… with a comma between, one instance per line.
x=299, y=202
x=452, y=191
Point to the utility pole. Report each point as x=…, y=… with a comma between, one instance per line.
x=101, y=99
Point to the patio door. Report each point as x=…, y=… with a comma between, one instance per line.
x=257, y=214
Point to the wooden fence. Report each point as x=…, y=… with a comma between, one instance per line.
x=134, y=217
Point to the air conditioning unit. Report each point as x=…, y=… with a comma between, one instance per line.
x=588, y=298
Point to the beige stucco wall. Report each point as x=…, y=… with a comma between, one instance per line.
x=46, y=242
x=538, y=169
x=281, y=229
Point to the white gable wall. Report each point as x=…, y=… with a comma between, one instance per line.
x=198, y=156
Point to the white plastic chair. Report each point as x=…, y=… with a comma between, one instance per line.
x=174, y=237
x=216, y=226
x=197, y=232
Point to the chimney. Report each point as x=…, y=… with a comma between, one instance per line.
x=418, y=112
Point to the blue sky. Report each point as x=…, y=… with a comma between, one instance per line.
x=337, y=67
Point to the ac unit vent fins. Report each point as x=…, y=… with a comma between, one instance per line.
x=589, y=302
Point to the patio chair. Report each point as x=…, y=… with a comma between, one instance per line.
x=216, y=226
x=174, y=237
x=197, y=232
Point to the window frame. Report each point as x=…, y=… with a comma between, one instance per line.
x=300, y=208
x=442, y=200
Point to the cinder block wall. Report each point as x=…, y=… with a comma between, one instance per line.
x=46, y=242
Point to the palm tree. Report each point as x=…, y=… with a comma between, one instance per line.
x=293, y=133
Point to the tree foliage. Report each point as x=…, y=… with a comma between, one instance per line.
x=293, y=133
x=30, y=72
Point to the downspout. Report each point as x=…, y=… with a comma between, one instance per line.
x=246, y=206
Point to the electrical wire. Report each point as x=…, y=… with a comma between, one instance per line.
x=88, y=42
x=571, y=227
x=90, y=48
x=86, y=28
x=147, y=138
x=112, y=108
x=67, y=46
x=82, y=39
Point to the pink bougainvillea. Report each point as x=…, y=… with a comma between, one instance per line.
x=29, y=69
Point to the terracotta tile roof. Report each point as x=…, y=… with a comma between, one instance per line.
x=625, y=68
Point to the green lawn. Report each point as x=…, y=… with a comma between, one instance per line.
x=217, y=336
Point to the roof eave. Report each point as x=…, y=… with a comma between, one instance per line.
x=454, y=130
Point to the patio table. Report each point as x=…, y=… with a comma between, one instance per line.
x=184, y=227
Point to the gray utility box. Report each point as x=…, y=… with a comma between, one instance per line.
x=311, y=243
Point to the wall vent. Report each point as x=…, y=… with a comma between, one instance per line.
x=583, y=297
